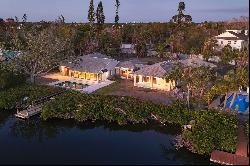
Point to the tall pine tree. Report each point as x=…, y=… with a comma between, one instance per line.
x=117, y=5
x=100, y=17
x=91, y=13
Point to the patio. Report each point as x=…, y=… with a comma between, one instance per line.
x=92, y=85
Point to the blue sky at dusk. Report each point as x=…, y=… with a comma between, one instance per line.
x=130, y=10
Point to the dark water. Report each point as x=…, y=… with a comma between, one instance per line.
x=67, y=142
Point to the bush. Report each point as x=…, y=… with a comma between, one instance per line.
x=210, y=129
x=94, y=107
x=10, y=79
x=10, y=97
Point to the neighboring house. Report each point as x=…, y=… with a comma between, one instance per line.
x=152, y=53
x=196, y=62
x=10, y=20
x=152, y=77
x=215, y=59
x=8, y=55
x=95, y=67
x=128, y=49
x=237, y=39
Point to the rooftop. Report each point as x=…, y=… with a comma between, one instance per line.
x=196, y=62
x=93, y=63
x=234, y=35
x=156, y=70
x=127, y=64
x=9, y=54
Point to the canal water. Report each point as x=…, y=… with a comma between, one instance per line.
x=67, y=142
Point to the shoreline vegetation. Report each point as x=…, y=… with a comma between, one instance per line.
x=210, y=129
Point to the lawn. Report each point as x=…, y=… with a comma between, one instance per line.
x=109, y=89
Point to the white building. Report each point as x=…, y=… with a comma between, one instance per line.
x=153, y=77
x=237, y=39
x=95, y=67
x=128, y=49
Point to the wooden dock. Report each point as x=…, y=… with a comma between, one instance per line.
x=36, y=106
x=33, y=110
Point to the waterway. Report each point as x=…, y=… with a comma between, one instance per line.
x=67, y=142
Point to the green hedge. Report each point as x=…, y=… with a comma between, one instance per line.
x=9, y=97
x=10, y=79
x=211, y=129
x=110, y=108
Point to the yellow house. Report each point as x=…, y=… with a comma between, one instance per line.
x=95, y=67
x=127, y=68
x=153, y=77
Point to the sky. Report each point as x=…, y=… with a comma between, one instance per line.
x=130, y=10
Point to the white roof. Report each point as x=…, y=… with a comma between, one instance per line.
x=93, y=63
x=127, y=46
x=196, y=62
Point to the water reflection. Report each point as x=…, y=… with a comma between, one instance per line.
x=182, y=156
x=66, y=141
x=4, y=115
x=34, y=128
x=42, y=130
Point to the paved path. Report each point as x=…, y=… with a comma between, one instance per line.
x=228, y=158
x=241, y=148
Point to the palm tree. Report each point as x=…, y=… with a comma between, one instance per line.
x=160, y=48
x=227, y=55
x=117, y=5
x=181, y=17
x=239, y=78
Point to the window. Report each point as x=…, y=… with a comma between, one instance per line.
x=82, y=75
x=76, y=75
x=154, y=81
x=145, y=79
x=221, y=42
x=235, y=42
x=229, y=42
x=93, y=76
x=137, y=79
x=87, y=76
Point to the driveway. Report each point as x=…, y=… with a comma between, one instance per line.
x=127, y=88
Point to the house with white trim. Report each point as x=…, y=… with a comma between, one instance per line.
x=95, y=67
x=128, y=48
x=153, y=77
x=237, y=39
